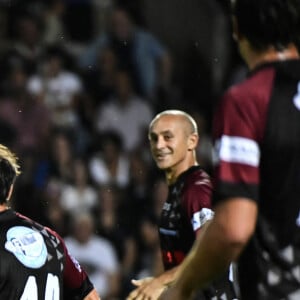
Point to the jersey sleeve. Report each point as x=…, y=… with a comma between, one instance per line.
x=77, y=284
x=197, y=201
x=237, y=147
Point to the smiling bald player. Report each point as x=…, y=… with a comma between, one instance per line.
x=173, y=137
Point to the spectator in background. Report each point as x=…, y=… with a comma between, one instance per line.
x=126, y=114
x=61, y=157
x=27, y=45
x=58, y=89
x=100, y=80
x=109, y=164
x=29, y=118
x=79, y=195
x=110, y=224
x=95, y=254
x=138, y=192
x=57, y=216
x=137, y=51
x=54, y=32
x=149, y=256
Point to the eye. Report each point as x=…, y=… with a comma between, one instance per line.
x=168, y=137
x=153, y=138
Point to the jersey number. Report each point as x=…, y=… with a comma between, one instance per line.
x=31, y=289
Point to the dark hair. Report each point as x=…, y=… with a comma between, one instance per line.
x=268, y=22
x=7, y=177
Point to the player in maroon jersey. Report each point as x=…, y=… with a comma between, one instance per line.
x=34, y=261
x=173, y=138
x=257, y=177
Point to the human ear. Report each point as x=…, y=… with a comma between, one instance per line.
x=192, y=141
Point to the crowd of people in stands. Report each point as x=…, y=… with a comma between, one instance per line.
x=75, y=105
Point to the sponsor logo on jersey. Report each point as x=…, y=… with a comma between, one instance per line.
x=201, y=217
x=27, y=245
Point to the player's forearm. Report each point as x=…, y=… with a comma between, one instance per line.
x=93, y=295
x=209, y=258
x=219, y=244
x=169, y=276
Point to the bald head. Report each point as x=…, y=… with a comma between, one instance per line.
x=188, y=123
x=173, y=137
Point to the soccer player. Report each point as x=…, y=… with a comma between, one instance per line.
x=257, y=191
x=34, y=261
x=173, y=138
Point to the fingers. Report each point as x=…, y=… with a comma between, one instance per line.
x=144, y=293
x=144, y=290
x=137, y=282
x=136, y=295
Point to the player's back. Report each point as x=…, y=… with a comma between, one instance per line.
x=31, y=260
x=272, y=256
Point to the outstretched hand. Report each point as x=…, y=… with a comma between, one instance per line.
x=172, y=293
x=148, y=288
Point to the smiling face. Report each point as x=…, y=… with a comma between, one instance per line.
x=172, y=141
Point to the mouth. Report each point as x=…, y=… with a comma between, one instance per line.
x=161, y=156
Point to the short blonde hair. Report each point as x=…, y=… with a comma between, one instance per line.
x=6, y=154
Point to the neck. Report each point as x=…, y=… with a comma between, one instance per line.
x=255, y=58
x=173, y=173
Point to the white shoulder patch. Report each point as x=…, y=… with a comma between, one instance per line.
x=237, y=149
x=201, y=217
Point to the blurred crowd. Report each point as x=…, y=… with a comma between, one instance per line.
x=79, y=83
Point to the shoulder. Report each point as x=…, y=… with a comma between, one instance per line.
x=197, y=185
x=243, y=107
x=196, y=192
x=252, y=90
x=198, y=178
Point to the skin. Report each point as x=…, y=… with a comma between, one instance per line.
x=172, y=142
x=228, y=233
x=93, y=295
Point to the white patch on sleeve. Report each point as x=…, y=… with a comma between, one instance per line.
x=201, y=217
x=237, y=150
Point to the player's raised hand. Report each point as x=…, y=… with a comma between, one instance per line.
x=148, y=288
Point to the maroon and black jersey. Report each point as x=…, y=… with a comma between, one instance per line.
x=35, y=264
x=257, y=132
x=186, y=210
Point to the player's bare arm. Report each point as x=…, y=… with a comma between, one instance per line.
x=227, y=233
